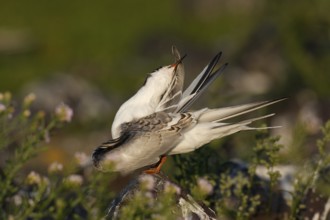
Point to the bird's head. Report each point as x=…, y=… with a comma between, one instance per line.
x=163, y=78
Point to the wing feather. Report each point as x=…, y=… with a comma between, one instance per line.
x=200, y=84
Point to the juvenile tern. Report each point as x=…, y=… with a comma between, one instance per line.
x=155, y=122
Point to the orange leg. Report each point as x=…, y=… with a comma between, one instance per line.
x=156, y=169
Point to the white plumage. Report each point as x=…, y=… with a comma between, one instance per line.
x=155, y=122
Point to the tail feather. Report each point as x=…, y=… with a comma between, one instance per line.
x=249, y=121
x=208, y=131
x=223, y=129
x=222, y=114
x=262, y=128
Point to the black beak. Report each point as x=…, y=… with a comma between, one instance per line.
x=178, y=62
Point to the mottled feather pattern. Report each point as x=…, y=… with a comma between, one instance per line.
x=153, y=122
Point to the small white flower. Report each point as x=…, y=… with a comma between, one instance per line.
x=26, y=113
x=33, y=178
x=64, y=113
x=74, y=180
x=46, y=137
x=148, y=181
x=205, y=186
x=82, y=159
x=2, y=107
x=170, y=187
x=45, y=181
x=7, y=96
x=31, y=202
x=29, y=99
x=17, y=200
x=149, y=195
x=55, y=167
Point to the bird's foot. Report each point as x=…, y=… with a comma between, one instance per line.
x=156, y=169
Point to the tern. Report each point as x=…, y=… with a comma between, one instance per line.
x=156, y=121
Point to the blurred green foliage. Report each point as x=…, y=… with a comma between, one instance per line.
x=107, y=41
x=59, y=193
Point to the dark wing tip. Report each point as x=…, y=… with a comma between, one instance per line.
x=105, y=147
x=97, y=156
x=220, y=69
x=219, y=54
